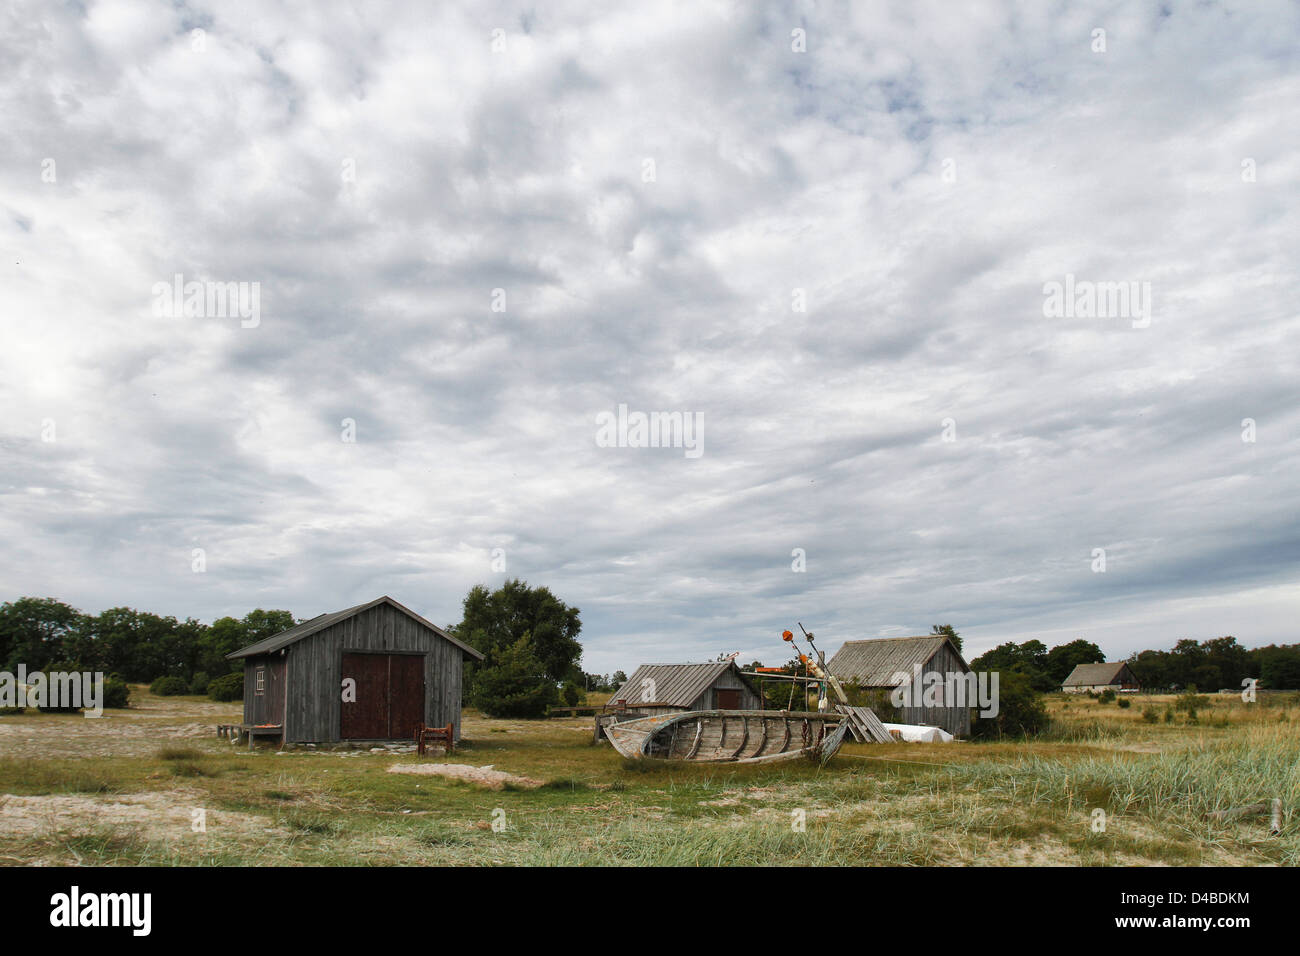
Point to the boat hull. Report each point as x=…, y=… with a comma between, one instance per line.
x=729, y=736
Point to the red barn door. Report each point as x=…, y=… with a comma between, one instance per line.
x=728, y=699
x=405, y=695
x=389, y=696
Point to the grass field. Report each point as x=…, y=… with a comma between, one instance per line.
x=127, y=789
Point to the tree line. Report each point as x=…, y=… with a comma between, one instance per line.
x=528, y=635
x=46, y=634
x=1208, y=665
x=530, y=639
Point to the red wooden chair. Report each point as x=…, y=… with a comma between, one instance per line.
x=438, y=735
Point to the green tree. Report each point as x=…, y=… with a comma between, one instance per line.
x=1230, y=659
x=225, y=636
x=1281, y=672
x=949, y=632
x=35, y=632
x=46, y=634
x=229, y=634
x=495, y=620
x=514, y=683
x=1000, y=658
x=1065, y=657
x=1151, y=668
x=1184, y=660
x=259, y=624
x=1029, y=659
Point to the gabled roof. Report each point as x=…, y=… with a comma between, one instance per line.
x=275, y=642
x=1084, y=675
x=875, y=663
x=676, y=684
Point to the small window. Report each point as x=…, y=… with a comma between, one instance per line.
x=260, y=683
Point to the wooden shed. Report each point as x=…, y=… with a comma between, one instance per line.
x=1114, y=676
x=717, y=685
x=887, y=663
x=400, y=670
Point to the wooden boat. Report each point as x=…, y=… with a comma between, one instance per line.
x=739, y=736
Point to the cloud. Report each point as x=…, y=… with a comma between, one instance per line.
x=827, y=254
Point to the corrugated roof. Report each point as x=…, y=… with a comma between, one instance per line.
x=676, y=684
x=1085, y=674
x=874, y=663
x=275, y=642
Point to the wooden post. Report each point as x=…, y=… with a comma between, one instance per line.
x=1275, y=818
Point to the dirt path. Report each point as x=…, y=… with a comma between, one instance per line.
x=157, y=815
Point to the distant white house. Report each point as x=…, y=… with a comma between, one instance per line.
x=1114, y=676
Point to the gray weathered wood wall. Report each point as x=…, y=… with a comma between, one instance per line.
x=313, y=679
x=955, y=720
x=728, y=681
x=268, y=706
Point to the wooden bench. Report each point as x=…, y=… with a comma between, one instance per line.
x=437, y=735
x=263, y=730
x=239, y=732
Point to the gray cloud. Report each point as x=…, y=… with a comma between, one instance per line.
x=381, y=171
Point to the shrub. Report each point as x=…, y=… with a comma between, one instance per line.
x=572, y=694
x=513, y=683
x=1123, y=703
x=1107, y=696
x=168, y=687
x=1021, y=712
x=179, y=753
x=1190, y=700
x=1149, y=714
x=200, y=683
x=230, y=687
x=116, y=692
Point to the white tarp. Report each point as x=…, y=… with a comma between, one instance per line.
x=915, y=733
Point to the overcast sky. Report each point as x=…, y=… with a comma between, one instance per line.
x=823, y=231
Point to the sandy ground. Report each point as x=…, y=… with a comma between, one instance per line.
x=88, y=737
x=158, y=815
x=479, y=776
x=137, y=732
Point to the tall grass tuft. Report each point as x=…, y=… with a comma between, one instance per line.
x=1207, y=776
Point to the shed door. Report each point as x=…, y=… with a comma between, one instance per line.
x=366, y=717
x=389, y=696
x=406, y=696
x=728, y=699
